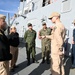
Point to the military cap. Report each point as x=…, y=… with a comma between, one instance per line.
x=29, y=24
x=43, y=23
x=54, y=14
x=2, y=16
x=73, y=22
x=12, y=27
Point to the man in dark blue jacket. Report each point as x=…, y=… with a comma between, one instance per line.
x=5, y=55
x=73, y=47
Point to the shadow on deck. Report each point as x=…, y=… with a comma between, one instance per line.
x=42, y=67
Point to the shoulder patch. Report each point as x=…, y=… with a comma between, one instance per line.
x=55, y=28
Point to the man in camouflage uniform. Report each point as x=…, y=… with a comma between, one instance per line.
x=30, y=36
x=57, y=39
x=45, y=42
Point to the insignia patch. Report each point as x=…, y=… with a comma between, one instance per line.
x=55, y=28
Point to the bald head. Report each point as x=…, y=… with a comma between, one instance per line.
x=12, y=29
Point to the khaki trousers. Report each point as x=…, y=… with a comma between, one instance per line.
x=4, y=68
x=57, y=65
x=14, y=52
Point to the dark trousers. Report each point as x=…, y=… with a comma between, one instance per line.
x=73, y=54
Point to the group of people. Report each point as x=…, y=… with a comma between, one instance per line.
x=8, y=47
x=52, y=40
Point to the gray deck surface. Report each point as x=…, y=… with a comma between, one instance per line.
x=36, y=68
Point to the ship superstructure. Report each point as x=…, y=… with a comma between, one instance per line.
x=38, y=11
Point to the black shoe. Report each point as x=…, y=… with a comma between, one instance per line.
x=48, y=62
x=16, y=66
x=28, y=63
x=43, y=61
x=33, y=60
x=73, y=67
x=12, y=70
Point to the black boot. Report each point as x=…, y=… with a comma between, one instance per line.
x=43, y=60
x=33, y=60
x=16, y=66
x=28, y=63
x=12, y=70
x=48, y=62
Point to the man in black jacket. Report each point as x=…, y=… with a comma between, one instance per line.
x=14, y=42
x=5, y=55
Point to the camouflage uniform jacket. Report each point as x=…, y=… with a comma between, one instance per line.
x=43, y=32
x=30, y=37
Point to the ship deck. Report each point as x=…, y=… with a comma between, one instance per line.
x=36, y=68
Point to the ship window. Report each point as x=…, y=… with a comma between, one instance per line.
x=33, y=5
x=46, y=2
x=49, y=1
x=64, y=0
x=21, y=0
x=29, y=10
x=65, y=6
x=26, y=11
x=43, y=3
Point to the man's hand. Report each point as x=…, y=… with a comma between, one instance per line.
x=43, y=37
x=61, y=53
x=73, y=42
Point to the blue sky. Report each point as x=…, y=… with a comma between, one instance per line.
x=10, y=6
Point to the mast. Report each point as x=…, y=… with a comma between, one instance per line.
x=8, y=22
x=21, y=8
x=8, y=15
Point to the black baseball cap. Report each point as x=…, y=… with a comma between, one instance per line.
x=43, y=23
x=29, y=24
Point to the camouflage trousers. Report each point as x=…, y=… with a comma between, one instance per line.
x=46, y=51
x=29, y=51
